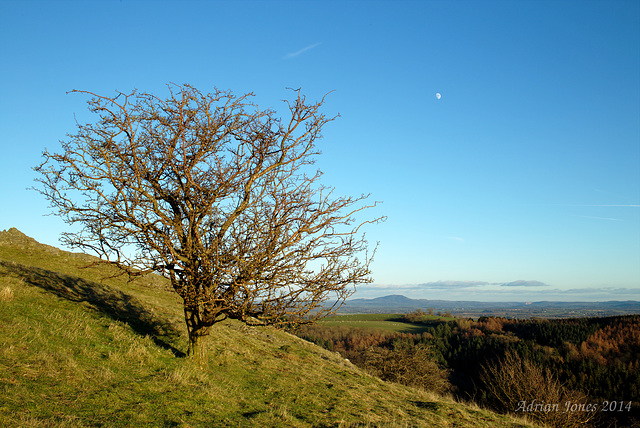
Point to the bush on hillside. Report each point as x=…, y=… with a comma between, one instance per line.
x=517, y=385
x=408, y=365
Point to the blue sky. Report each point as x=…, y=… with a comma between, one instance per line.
x=522, y=182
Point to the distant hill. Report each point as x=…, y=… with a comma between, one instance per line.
x=395, y=299
x=79, y=350
x=402, y=304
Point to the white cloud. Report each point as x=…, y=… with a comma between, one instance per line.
x=306, y=48
x=445, y=285
x=522, y=283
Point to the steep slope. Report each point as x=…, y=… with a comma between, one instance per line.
x=78, y=350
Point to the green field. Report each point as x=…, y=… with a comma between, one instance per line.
x=387, y=322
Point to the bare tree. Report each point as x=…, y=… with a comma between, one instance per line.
x=217, y=195
x=517, y=385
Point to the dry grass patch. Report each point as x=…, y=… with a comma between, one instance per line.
x=6, y=294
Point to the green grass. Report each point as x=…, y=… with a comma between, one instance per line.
x=79, y=351
x=385, y=322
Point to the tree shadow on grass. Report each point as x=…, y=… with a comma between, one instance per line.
x=109, y=301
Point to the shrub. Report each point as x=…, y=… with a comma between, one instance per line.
x=517, y=385
x=410, y=365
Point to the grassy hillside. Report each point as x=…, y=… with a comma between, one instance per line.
x=77, y=350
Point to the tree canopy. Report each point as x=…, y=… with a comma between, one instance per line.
x=217, y=195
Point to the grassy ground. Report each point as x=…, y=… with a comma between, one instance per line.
x=79, y=351
x=386, y=322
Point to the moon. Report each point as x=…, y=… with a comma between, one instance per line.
x=438, y=95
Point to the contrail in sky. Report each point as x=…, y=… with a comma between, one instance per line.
x=291, y=55
x=599, y=218
x=596, y=205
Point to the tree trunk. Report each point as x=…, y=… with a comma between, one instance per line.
x=196, y=332
x=196, y=351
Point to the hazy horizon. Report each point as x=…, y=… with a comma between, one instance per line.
x=502, y=298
